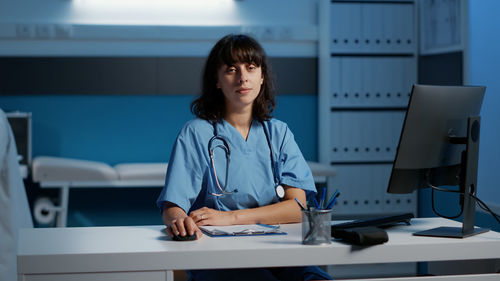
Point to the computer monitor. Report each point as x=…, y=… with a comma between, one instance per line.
x=439, y=146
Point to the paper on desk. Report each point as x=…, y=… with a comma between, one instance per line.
x=241, y=230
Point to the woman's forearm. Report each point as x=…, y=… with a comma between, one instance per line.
x=286, y=211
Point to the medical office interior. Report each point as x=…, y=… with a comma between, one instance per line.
x=99, y=89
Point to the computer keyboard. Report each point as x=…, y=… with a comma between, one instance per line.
x=383, y=221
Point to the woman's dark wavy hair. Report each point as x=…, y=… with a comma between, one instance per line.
x=229, y=50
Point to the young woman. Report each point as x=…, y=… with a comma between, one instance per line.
x=235, y=164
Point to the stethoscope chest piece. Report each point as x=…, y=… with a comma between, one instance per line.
x=280, y=191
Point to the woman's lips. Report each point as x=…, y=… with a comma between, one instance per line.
x=243, y=90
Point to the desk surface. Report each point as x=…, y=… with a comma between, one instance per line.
x=105, y=249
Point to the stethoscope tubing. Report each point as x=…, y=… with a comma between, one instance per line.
x=227, y=150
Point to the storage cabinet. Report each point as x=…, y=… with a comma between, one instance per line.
x=367, y=65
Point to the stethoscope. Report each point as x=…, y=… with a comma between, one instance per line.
x=280, y=191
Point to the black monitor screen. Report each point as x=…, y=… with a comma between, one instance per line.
x=439, y=146
x=425, y=153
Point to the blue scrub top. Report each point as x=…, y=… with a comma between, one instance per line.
x=190, y=179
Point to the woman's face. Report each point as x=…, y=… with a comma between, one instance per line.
x=240, y=84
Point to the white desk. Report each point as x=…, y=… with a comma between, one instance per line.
x=145, y=253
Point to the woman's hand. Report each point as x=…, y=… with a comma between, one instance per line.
x=208, y=216
x=183, y=226
x=178, y=223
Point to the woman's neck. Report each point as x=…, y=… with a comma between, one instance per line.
x=240, y=121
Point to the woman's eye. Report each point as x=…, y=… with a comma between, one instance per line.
x=231, y=69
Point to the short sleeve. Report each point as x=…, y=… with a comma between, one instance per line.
x=293, y=168
x=183, y=181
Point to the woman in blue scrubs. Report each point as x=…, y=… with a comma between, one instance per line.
x=232, y=178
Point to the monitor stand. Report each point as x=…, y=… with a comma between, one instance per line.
x=468, y=183
x=450, y=232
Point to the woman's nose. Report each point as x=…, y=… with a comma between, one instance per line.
x=243, y=76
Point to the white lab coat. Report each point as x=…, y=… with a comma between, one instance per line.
x=14, y=209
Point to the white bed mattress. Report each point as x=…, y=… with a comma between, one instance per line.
x=57, y=169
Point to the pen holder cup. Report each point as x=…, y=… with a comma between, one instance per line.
x=316, y=227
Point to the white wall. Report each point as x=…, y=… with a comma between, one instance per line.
x=153, y=27
x=484, y=69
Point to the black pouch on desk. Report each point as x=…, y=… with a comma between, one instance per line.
x=363, y=236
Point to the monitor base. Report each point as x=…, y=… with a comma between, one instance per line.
x=450, y=232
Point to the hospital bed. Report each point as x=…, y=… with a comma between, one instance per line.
x=66, y=173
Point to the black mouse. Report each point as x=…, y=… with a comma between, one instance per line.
x=187, y=237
